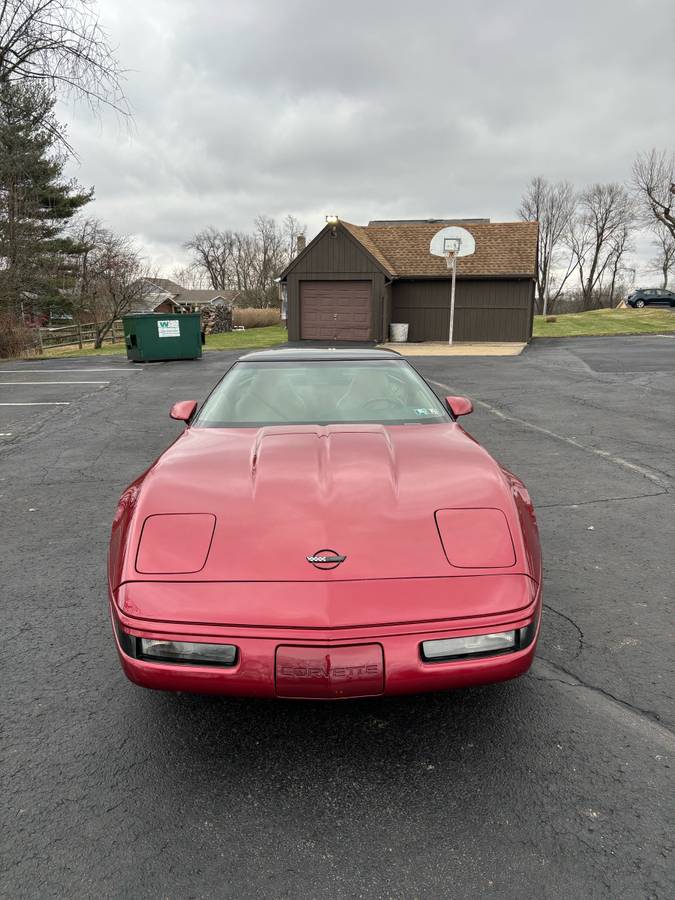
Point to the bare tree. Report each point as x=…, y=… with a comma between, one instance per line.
x=247, y=262
x=191, y=277
x=619, y=245
x=292, y=229
x=604, y=217
x=552, y=205
x=654, y=188
x=213, y=254
x=268, y=259
x=664, y=260
x=117, y=273
x=87, y=234
x=61, y=44
x=245, y=250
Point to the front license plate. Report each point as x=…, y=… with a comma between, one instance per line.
x=314, y=673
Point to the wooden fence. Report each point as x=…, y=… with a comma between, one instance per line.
x=76, y=335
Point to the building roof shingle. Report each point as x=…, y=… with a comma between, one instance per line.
x=360, y=232
x=402, y=248
x=201, y=296
x=158, y=291
x=166, y=284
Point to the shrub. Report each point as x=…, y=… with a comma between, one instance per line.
x=15, y=337
x=256, y=318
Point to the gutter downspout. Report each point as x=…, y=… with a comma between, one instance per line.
x=385, y=325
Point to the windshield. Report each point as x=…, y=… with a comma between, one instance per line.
x=321, y=393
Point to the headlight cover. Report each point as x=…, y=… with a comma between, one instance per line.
x=194, y=653
x=175, y=543
x=475, y=538
x=473, y=645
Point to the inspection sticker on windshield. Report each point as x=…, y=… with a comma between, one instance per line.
x=425, y=412
x=168, y=327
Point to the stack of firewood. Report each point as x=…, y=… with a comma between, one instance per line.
x=216, y=319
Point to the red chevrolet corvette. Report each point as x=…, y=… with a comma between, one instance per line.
x=324, y=528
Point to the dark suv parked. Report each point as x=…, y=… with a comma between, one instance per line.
x=644, y=296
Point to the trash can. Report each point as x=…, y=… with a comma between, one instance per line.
x=398, y=332
x=150, y=337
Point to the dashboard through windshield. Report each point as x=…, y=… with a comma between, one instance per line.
x=321, y=393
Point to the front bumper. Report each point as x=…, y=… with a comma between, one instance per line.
x=259, y=664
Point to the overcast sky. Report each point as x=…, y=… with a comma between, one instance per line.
x=367, y=109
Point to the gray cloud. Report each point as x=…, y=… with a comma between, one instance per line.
x=370, y=109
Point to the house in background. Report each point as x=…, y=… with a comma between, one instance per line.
x=352, y=281
x=161, y=295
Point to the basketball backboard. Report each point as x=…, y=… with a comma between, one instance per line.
x=454, y=240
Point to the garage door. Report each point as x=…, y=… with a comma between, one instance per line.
x=335, y=310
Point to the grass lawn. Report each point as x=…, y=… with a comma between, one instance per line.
x=252, y=339
x=607, y=321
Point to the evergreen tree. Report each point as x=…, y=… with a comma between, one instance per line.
x=38, y=260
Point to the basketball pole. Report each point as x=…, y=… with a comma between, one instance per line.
x=452, y=295
x=451, y=243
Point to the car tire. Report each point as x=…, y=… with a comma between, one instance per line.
x=639, y=304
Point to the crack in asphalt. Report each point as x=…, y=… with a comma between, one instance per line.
x=663, y=730
x=602, y=500
x=573, y=624
x=74, y=414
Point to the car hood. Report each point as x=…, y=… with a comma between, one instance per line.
x=252, y=505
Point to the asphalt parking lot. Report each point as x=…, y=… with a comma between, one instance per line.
x=556, y=785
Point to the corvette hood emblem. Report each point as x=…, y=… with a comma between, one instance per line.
x=326, y=559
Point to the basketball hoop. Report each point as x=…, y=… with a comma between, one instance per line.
x=451, y=243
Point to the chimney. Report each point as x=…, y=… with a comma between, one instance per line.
x=300, y=243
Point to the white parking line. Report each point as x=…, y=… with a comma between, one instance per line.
x=133, y=371
x=54, y=382
x=5, y=433
x=42, y=403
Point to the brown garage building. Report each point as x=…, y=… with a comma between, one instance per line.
x=352, y=281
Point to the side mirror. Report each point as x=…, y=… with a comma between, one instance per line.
x=184, y=410
x=459, y=406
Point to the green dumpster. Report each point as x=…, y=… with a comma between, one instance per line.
x=151, y=337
